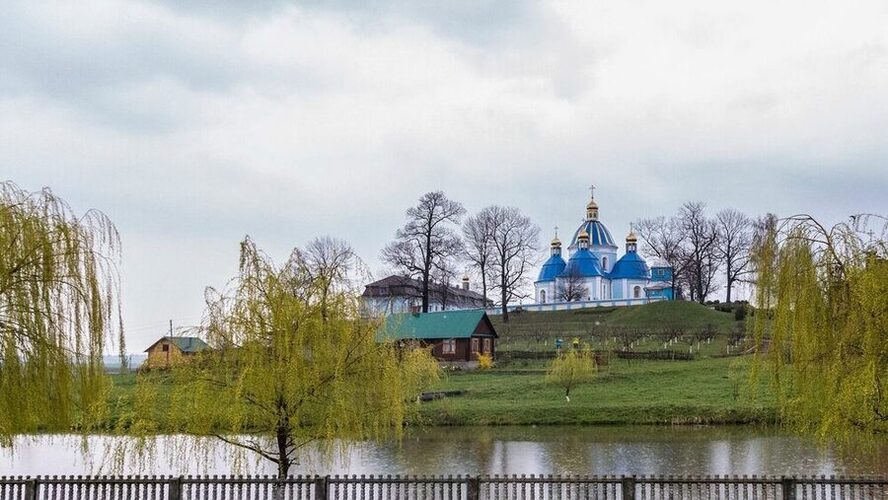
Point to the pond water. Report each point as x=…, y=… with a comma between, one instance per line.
x=479, y=450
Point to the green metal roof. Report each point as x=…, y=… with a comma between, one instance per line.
x=436, y=325
x=185, y=344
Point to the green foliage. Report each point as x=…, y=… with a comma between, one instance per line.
x=825, y=292
x=572, y=368
x=739, y=312
x=292, y=363
x=59, y=305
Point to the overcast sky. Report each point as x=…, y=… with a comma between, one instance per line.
x=194, y=126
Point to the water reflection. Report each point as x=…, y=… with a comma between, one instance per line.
x=487, y=450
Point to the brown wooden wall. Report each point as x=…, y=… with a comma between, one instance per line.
x=463, y=348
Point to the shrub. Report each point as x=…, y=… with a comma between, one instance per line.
x=572, y=368
x=485, y=361
x=740, y=312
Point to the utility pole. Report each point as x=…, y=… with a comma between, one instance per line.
x=171, y=328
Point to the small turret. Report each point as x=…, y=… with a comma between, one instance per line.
x=592, y=207
x=631, y=242
x=556, y=244
x=583, y=239
x=465, y=282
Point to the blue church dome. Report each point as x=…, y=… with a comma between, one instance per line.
x=552, y=268
x=630, y=266
x=584, y=263
x=598, y=234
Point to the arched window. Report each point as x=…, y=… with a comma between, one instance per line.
x=542, y=296
x=636, y=292
x=603, y=291
x=604, y=264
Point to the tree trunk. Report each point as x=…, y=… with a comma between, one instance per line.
x=484, y=285
x=283, y=433
x=505, y=305
x=425, y=291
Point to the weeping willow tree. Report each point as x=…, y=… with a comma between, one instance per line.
x=572, y=368
x=292, y=364
x=821, y=322
x=59, y=305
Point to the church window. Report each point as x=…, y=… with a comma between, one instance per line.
x=636, y=292
x=603, y=291
x=542, y=296
x=604, y=263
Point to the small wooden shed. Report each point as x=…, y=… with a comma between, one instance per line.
x=167, y=351
x=455, y=336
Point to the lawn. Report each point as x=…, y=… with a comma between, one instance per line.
x=708, y=391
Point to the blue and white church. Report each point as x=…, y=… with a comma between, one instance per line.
x=593, y=273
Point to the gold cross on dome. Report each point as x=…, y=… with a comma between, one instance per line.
x=592, y=190
x=556, y=231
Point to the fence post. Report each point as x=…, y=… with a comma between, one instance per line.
x=788, y=485
x=322, y=484
x=628, y=487
x=31, y=489
x=473, y=487
x=175, y=488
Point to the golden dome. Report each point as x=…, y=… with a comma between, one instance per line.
x=592, y=204
x=631, y=238
x=583, y=234
x=556, y=242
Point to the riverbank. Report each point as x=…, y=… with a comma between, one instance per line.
x=706, y=391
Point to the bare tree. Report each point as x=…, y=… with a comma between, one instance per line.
x=331, y=266
x=571, y=286
x=663, y=238
x=735, y=238
x=425, y=239
x=700, y=238
x=478, y=239
x=515, y=251
x=443, y=274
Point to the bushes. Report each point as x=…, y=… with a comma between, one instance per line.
x=485, y=361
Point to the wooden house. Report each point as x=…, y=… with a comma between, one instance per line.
x=170, y=350
x=456, y=337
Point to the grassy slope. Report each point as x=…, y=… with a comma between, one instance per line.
x=537, y=330
x=673, y=314
x=643, y=392
x=656, y=316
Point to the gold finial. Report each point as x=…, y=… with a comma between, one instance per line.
x=592, y=207
x=631, y=236
x=555, y=241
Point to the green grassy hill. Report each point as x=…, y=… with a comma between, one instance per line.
x=707, y=391
x=533, y=330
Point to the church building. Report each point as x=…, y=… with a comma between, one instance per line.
x=592, y=271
